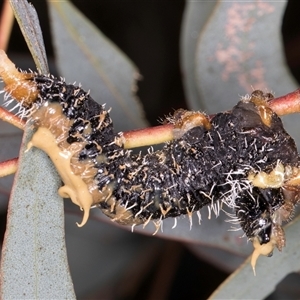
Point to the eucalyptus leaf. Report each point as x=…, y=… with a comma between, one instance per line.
x=29, y=24
x=34, y=254
x=34, y=262
x=195, y=17
x=85, y=55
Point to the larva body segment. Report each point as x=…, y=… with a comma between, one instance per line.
x=242, y=158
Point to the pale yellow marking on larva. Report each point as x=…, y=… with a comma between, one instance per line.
x=74, y=188
x=264, y=249
x=263, y=108
x=164, y=211
x=186, y=120
x=275, y=179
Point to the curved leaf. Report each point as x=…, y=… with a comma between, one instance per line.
x=238, y=50
x=30, y=26
x=85, y=55
x=195, y=17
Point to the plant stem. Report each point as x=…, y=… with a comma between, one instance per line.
x=11, y=118
x=148, y=136
x=6, y=23
x=284, y=105
x=8, y=167
x=287, y=104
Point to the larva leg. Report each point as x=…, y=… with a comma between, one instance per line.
x=261, y=249
x=184, y=121
x=75, y=188
x=261, y=99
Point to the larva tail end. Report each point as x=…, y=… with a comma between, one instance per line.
x=85, y=218
x=254, y=258
x=264, y=249
x=18, y=85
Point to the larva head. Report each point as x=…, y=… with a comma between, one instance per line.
x=255, y=213
x=275, y=204
x=258, y=215
x=19, y=85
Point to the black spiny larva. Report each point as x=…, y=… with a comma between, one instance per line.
x=242, y=158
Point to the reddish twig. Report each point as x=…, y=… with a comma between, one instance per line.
x=6, y=23
x=8, y=167
x=284, y=105
x=11, y=118
x=287, y=104
x=148, y=136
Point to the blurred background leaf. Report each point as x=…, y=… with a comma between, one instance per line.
x=237, y=50
x=100, y=66
x=34, y=263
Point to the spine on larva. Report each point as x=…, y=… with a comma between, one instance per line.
x=242, y=158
